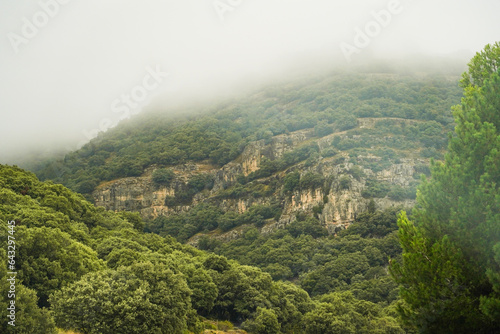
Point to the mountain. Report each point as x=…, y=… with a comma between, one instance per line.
x=279, y=212
x=324, y=146
x=85, y=269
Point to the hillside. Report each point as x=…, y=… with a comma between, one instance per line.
x=325, y=147
x=88, y=270
x=218, y=134
x=299, y=231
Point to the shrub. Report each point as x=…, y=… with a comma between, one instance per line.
x=345, y=182
x=375, y=189
x=397, y=193
x=163, y=177
x=291, y=182
x=357, y=172
x=311, y=181
x=322, y=129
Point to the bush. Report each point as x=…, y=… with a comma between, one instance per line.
x=163, y=177
x=322, y=129
x=143, y=298
x=200, y=182
x=311, y=181
x=265, y=322
x=375, y=189
x=346, y=121
x=345, y=182
x=329, y=152
x=431, y=152
x=357, y=172
x=397, y=193
x=291, y=182
x=310, y=226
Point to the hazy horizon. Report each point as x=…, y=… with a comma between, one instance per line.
x=72, y=68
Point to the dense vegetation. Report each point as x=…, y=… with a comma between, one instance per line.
x=218, y=134
x=450, y=272
x=354, y=261
x=85, y=269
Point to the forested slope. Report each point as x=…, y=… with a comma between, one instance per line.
x=323, y=146
x=257, y=200
x=219, y=133
x=86, y=269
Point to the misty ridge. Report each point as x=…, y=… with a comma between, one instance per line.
x=182, y=104
x=238, y=167
x=209, y=50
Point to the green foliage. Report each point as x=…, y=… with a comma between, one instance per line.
x=311, y=181
x=322, y=129
x=422, y=169
x=201, y=182
x=204, y=291
x=490, y=305
x=356, y=172
x=310, y=226
x=134, y=218
x=482, y=65
x=33, y=203
x=449, y=271
x=345, y=182
x=329, y=152
x=151, y=284
x=324, y=264
x=268, y=167
x=336, y=273
x=184, y=193
x=142, y=298
x=29, y=318
x=342, y=313
x=265, y=322
x=49, y=259
x=163, y=177
x=433, y=282
x=291, y=182
x=373, y=224
x=104, y=275
x=398, y=193
x=204, y=217
x=372, y=207
x=345, y=121
x=375, y=189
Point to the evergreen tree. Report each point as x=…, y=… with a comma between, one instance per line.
x=449, y=273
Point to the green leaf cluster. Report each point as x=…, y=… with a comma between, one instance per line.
x=450, y=268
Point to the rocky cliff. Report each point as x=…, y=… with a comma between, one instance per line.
x=349, y=181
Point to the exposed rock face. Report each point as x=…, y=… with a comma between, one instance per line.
x=340, y=204
x=142, y=195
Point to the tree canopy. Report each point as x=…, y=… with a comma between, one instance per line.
x=450, y=269
x=84, y=269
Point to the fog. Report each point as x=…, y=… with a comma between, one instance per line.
x=69, y=69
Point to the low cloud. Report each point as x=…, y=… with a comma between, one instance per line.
x=65, y=63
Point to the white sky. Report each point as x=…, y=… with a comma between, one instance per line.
x=63, y=81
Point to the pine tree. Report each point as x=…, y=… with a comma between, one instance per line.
x=450, y=270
